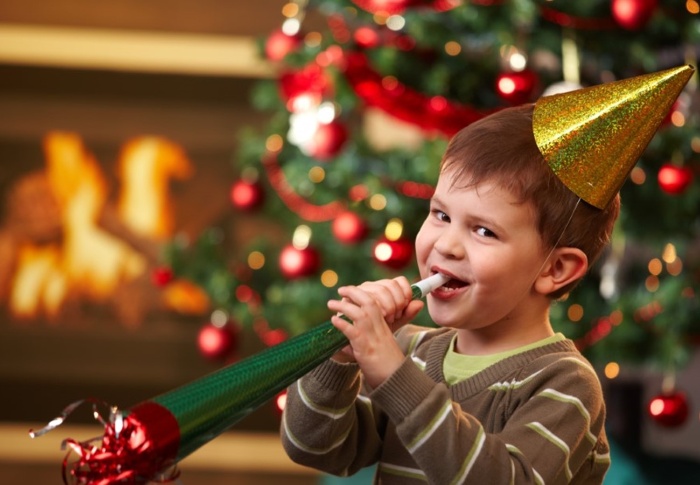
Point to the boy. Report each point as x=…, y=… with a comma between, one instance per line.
x=492, y=395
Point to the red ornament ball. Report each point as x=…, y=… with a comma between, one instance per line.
x=279, y=44
x=393, y=254
x=678, y=106
x=669, y=409
x=161, y=276
x=247, y=196
x=674, y=179
x=217, y=342
x=349, y=228
x=633, y=14
x=366, y=37
x=516, y=87
x=298, y=263
x=310, y=82
x=280, y=402
x=274, y=337
x=328, y=140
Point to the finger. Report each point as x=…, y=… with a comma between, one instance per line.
x=334, y=305
x=389, y=295
x=405, y=285
x=412, y=310
x=348, y=308
x=402, y=292
x=362, y=308
x=360, y=296
x=393, y=296
x=345, y=327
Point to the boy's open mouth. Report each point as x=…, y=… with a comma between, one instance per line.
x=454, y=284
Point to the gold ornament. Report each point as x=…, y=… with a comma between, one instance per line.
x=593, y=137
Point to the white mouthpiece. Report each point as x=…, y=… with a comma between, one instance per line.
x=430, y=283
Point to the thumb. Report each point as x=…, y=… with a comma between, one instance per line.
x=414, y=308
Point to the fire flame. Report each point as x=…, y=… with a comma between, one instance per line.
x=145, y=166
x=89, y=262
x=94, y=260
x=39, y=283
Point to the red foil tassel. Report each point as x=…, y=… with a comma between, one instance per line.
x=138, y=448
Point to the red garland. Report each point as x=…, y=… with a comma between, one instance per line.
x=295, y=202
x=601, y=329
x=251, y=298
x=432, y=114
x=415, y=190
x=580, y=23
x=393, y=7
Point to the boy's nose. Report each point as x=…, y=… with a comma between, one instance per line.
x=450, y=244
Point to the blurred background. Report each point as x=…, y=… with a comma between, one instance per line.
x=184, y=184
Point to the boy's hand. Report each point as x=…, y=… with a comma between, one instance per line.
x=376, y=309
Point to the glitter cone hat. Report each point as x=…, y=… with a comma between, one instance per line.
x=593, y=137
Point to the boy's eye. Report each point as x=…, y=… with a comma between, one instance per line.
x=485, y=232
x=441, y=216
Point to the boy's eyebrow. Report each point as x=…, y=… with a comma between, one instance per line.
x=489, y=224
x=483, y=220
x=435, y=200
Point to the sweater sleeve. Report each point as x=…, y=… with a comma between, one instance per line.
x=327, y=424
x=553, y=416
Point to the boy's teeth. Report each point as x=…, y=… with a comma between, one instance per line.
x=452, y=285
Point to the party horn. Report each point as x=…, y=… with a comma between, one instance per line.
x=145, y=442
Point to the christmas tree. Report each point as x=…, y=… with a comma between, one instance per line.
x=366, y=96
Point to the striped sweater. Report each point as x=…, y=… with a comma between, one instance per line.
x=534, y=417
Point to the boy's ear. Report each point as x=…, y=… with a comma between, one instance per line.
x=566, y=265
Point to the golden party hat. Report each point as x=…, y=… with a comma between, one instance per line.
x=592, y=137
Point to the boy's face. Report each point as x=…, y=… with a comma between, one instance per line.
x=491, y=248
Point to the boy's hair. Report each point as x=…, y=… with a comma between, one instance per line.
x=501, y=148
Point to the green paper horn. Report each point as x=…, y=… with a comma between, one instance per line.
x=145, y=441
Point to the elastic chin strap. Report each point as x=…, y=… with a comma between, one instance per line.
x=556, y=244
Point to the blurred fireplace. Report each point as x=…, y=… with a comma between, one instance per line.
x=71, y=239
x=65, y=245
